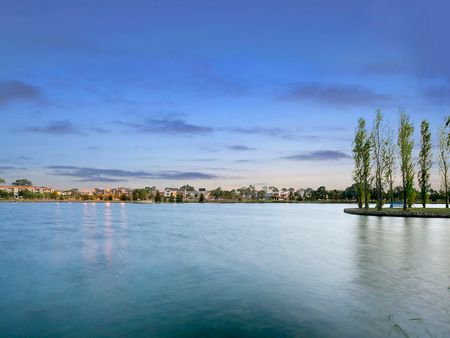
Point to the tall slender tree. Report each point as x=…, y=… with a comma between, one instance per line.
x=378, y=149
x=361, y=155
x=389, y=164
x=406, y=144
x=444, y=153
x=357, y=156
x=447, y=124
x=425, y=161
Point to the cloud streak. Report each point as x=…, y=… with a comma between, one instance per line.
x=55, y=128
x=167, y=126
x=117, y=175
x=334, y=94
x=272, y=132
x=16, y=91
x=440, y=94
x=240, y=147
x=319, y=155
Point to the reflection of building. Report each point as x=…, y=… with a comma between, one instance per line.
x=16, y=189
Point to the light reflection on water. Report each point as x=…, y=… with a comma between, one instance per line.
x=222, y=270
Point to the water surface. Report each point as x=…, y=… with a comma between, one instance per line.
x=303, y=270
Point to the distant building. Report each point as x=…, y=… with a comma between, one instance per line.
x=16, y=189
x=170, y=192
x=203, y=191
x=284, y=194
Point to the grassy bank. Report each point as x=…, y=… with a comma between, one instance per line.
x=399, y=212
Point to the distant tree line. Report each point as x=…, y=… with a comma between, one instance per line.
x=377, y=158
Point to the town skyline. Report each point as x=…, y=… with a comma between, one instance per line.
x=167, y=93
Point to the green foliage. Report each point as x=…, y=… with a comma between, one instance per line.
x=425, y=161
x=53, y=195
x=361, y=156
x=179, y=198
x=411, y=197
x=23, y=182
x=187, y=187
x=201, y=199
x=351, y=193
x=171, y=198
x=5, y=195
x=321, y=193
x=158, y=197
x=140, y=194
x=28, y=194
x=261, y=194
x=444, y=153
x=216, y=193
x=124, y=197
x=378, y=141
x=389, y=163
x=2, y=180
x=406, y=143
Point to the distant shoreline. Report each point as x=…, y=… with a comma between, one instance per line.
x=399, y=212
x=184, y=202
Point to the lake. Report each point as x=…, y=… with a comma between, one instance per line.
x=225, y=270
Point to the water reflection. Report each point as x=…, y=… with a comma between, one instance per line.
x=108, y=232
x=400, y=264
x=89, y=228
x=123, y=224
x=220, y=270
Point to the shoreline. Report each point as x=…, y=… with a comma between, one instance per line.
x=398, y=212
x=184, y=202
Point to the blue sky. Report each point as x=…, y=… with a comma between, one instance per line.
x=211, y=93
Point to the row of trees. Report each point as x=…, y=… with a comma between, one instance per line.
x=21, y=182
x=376, y=159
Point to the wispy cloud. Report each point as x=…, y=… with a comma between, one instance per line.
x=117, y=175
x=240, y=147
x=272, y=132
x=319, y=155
x=383, y=68
x=10, y=168
x=64, y=127
x=13, y=90
x=166, y=126
x=100, y=130
x=55, y=128
x=334, y=94
x=439, y=94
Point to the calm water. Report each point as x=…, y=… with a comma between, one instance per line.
x=220, y=270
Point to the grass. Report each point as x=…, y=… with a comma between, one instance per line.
x=412, y=212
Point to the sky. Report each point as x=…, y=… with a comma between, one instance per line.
x=211, y=93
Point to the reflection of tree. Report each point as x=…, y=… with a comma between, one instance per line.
x=400, y=264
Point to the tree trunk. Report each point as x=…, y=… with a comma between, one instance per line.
x=446, y=196
x=366, y=194
x=391, y=193
x=405, y=197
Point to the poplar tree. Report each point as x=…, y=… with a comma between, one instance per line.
x=406, y=144
x=378, y=148
x=444, y=152
x=357, y=156
x=389, y=163
x=425, y=161
x=361, y=155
